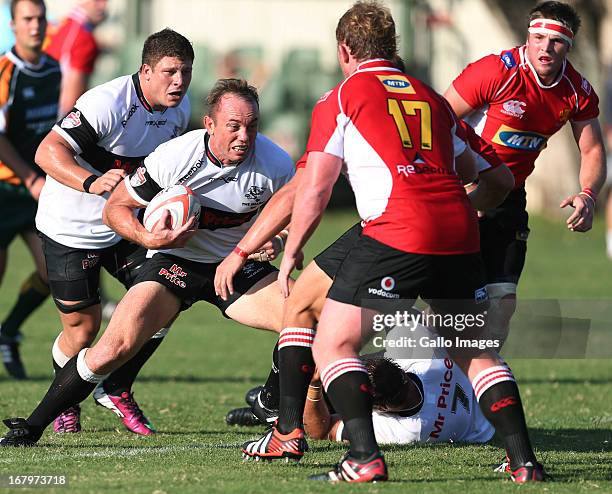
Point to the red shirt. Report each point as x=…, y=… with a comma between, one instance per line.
x=396, y=137
x=515, y=112
x=73, y=44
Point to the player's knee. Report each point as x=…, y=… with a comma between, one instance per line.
x=502, y=305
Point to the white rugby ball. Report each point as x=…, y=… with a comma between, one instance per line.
x=179, y=200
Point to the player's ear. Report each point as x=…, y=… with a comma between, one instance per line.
x=12, y=25
x=209, y=124
x=146, y=71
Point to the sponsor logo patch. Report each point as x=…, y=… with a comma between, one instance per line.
x=519, y=139
x=481, y=295
x=254, y=192
x=514, y=108
x=174, y=275
x=72, y=120
x=28, y=93
x=508, y=59
x=564, y=115
x=387, y=283
x=138, y=177
x=586, y=87
x=90, y=261
x=396, y=84
x=131, y=112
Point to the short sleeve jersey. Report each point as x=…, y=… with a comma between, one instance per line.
x=450, y=412
x=111, y=126
x=72, y=43
x=231, y=196
x=397, y=139
x=515, y=112
x=29, y=97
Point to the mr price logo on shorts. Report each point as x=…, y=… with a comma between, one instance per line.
x=520, y=139
x=396, y=84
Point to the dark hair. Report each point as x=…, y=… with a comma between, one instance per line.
x=15, y=2
x=387, y=379
x=166, y=43
x=368, y=30
x=239, y=87
x=557, y=11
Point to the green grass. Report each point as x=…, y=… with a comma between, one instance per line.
x=207, y=363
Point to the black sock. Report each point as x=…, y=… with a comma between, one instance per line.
x=271, y=392
x=67, y=389
x=34, y=291
x=123, y=378
x=296, y=369
x=501, y=405
x=350, y=395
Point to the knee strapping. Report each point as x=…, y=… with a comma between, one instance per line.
x=79, y=306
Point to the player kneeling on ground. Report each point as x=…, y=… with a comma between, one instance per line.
x=233, y=171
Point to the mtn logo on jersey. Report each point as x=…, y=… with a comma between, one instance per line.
x=72, y=120
x=514, y=108
x=396, y=84
x=519, y=139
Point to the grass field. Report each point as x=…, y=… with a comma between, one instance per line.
x=207, y=363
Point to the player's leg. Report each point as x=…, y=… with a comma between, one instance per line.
x=143, y=311
x=503, y=238
x=609, y=214
x=115, y=392
x=34, y=290
x=457, y=283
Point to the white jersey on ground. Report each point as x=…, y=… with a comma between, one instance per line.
x=450, y=412
x=111, y=126
x=231, y=196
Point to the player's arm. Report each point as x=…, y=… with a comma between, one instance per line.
x=74, y=84
x=311, y=198
x=458, y=104
x=466, y=166
x=492, y=188
x=318, y=423
x=56, y=157
x=592, y=174
x=11, y=158
x=118, y=214
x=274, y=218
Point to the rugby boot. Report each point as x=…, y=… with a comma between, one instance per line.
x=126, y=408
x=69, y=421
x=273, y=446
x=251, y=395
x=242, y=416
x=9, y=348
x=264, y=414
x=372, y=469
x=528, y=472
x=20, y=433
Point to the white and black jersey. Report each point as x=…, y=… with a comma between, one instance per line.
x=111, y=126
x=231, y=195
x=449, y=411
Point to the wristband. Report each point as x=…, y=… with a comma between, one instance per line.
x=88, y=182
x=240, y=252
x=589, y=192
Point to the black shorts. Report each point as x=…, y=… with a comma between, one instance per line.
x=17, y=210
x=332, y=257
x=382, y=278
x=503, y=238
x=192, y=281
x=74, y=274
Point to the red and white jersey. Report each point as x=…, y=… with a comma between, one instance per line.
x=515, y=112
x=397, y=139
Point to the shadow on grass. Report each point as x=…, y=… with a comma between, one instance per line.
x=578, y=440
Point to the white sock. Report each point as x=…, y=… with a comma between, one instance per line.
x=85, y=372
x=609, y=243
x=59, y=357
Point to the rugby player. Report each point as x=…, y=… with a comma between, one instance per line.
x=413, y=400
x=378, y=126
x=29, y=93
x=105, y=136
x=516, y=100
x=233, y=170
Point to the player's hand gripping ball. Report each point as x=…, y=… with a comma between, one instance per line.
x=179, y=200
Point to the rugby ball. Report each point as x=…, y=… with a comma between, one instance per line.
x=179, y=200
